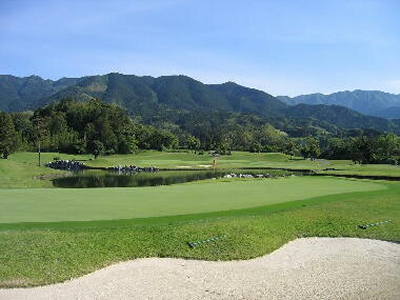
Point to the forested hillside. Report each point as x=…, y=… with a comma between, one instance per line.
x=172, y=99
x=17, y=94
x=100, y=128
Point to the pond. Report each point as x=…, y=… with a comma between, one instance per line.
x=98, y=179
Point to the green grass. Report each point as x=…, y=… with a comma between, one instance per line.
x=347, y=167
x=42, y=253
x=20, y=169
x=52, y=205
x=49, y=235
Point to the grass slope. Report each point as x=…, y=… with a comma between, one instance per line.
x=51, y=205
x=43, y=253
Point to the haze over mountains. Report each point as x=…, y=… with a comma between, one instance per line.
x=167, y=96
x=374, y=103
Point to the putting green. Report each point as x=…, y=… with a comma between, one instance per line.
x=52, y=205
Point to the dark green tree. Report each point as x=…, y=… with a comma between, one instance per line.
x=360, y=148
x=96, y=148
x=311, y=148
x=23, y=125
x=127, y=144
x=193, y=143
x=9, y=138
x=386, y=149
x=290, y=148
x=256, y=147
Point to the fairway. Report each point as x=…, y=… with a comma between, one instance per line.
x=52, y=205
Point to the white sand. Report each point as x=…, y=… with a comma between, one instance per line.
x=312, y=268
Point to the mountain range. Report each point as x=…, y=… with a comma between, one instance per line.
x=373, y=103
x=170, y=97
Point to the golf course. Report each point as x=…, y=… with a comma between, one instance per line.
x=50, y=234
x=200, y=150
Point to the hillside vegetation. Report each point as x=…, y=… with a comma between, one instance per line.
x=172, y=98
x=99, y=128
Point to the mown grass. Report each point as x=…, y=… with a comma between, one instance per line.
x=257, y=216
x=20, y=170
x=42, y=253
x=349, y=168
x=52, y=205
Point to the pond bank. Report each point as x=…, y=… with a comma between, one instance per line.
x=371, y=177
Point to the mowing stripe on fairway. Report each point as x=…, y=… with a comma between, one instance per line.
x=52, y=205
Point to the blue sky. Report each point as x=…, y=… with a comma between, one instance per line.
x=285, y=47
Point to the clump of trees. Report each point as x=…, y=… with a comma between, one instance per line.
x=80, y=127
x=378, y=148
x=99, y=128
x=362, y=148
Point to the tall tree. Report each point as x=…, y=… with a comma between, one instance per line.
x=9, y=138
x=96, y=147
x=193, y=143
x=311, y=148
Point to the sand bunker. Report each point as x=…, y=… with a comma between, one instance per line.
x=312, y=268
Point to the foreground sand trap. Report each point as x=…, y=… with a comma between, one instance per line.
x=312, y=268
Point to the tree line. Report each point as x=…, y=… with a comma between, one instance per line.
x=99, y=128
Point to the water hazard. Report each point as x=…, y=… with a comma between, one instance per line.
x=98, y=179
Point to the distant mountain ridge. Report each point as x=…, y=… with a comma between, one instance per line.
x=373, y=103
x=18, y=93
x=176, y=92
x=171, y=97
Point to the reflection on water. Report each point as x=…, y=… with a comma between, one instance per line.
x=91, y=179
x=96, y=179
